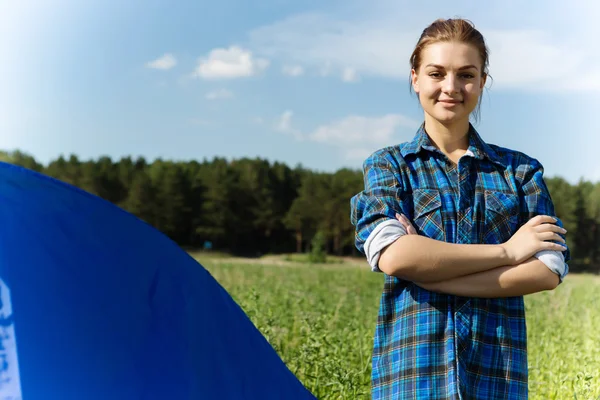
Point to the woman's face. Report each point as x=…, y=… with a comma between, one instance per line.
x=449, y=81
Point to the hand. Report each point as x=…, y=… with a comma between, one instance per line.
x=536, y=235
x=410, y=230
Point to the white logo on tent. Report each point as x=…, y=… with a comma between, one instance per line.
x=10, y=382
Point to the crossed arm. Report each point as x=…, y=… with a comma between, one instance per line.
x=529, y=277
x=474, y=270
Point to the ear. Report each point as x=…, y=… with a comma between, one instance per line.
x=483, y=81
x=414, y=78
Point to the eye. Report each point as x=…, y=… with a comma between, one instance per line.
x=435, y=74
x=468, y=76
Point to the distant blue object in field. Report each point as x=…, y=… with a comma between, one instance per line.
x=96, y=304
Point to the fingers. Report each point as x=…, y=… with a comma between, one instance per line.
x=551, y=236
x=406, y=223
x=553, y=246
x=550, y=228
x=410, y=229
x=541, y=219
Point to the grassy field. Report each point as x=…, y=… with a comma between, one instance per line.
x=320, y=319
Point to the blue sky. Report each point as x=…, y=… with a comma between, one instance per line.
x=321, y=83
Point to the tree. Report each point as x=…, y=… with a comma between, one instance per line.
x=583, y=239
x=140, y=200
x=252, y=206
x=317, y=252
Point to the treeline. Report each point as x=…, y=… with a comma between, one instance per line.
x=253, y=207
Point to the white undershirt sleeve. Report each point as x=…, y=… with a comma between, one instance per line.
x=389, y=231
x=382, y=236
x=555, y=261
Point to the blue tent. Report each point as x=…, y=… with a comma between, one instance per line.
x=96, y=304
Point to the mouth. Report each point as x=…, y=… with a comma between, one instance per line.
x=450, y=104
x=450, y=101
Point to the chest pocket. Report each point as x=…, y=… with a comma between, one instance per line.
x=501, y=217
x=428, y=213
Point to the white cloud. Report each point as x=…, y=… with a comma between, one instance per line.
x=331, y=45
x=165, y=62
x=354, y=135
x=293, y=70
x=285, y=121
x=349, y=75
x=284, y=125
x=356, y=130
x=233, y=62
x=531, y=58
x=219, y=94
x=524, y=56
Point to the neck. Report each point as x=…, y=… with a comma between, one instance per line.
x=449, y=138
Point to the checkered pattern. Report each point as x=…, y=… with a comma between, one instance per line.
x=436, y=346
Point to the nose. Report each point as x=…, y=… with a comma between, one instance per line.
x=450, y=84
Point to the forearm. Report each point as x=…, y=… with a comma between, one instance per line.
x=531, y=276
x=421, y=259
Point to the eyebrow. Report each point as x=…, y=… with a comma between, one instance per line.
x=460, y=69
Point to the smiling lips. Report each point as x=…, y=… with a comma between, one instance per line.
x=450, y=101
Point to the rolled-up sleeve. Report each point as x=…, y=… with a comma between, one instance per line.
x=384, y=234
x=373, y=211
x=536, y=200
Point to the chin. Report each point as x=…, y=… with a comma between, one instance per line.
x=447, y=117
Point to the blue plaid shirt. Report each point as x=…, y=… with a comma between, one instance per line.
x=437, y=346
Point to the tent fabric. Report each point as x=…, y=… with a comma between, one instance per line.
x=97, y=304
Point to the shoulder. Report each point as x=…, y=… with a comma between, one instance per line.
x=384, y=167
x=522, y=165
x=389, y=157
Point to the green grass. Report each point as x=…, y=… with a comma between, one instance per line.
x=564, y=340
x=320, y=319
x=305, y=258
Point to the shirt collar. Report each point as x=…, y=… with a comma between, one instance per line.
x=477, y=146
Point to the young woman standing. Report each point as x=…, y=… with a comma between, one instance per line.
x=462, y=230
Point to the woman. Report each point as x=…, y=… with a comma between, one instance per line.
x=462, y=230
